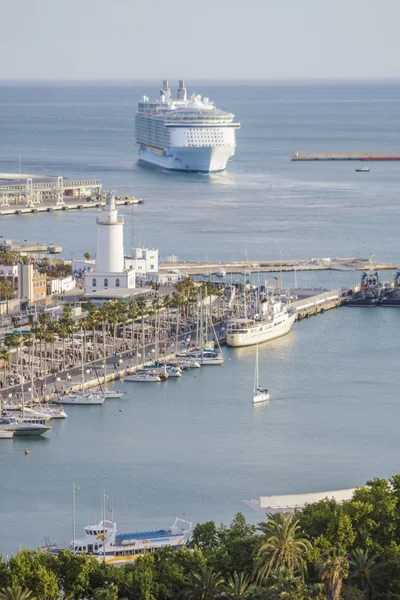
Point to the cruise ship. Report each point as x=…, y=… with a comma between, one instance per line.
x=273, y=320
x=184, y=134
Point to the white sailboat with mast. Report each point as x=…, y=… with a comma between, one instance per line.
x=82, y=397
x=259, y=394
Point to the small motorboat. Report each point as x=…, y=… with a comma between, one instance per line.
x=112, y=394
x=362, y=170
x=6, y=434
x=174, y=372
x=143, y=378
x=220, y=272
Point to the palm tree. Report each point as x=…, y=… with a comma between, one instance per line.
x=203, y=585
x=8, y=257
x=285, y=546
x=106, y=593
x=5, y=358
x=362, y=566
x=132, y=315
x=93, y=318
x=285, y=586
x=237, y=586
x=142, y=311
x=220, y=291
x=333, y=568
x=7, y=290
x=16, y=593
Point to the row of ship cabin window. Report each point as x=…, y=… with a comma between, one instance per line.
x=117, y=282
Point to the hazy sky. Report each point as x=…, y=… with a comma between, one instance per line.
x=210, y=39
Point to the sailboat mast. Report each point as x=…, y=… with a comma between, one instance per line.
x=83, y=373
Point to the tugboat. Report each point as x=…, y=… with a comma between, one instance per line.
x=392, y=296
x=372, y=291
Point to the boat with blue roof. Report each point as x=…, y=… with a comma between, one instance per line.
x=103, y=541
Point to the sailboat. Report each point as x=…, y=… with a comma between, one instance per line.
x=107, y=393
x=82, y=397
x=259, y=394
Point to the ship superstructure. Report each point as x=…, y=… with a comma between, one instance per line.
x=184, y=134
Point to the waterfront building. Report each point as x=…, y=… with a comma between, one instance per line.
x=110, y=271
x=32, y=285
x=143, y=260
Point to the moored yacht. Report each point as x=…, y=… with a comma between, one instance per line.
x=82, y=399
x=273, y=320
x=24, y=427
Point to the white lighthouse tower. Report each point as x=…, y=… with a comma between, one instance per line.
x=110, y=239
x=110, y=272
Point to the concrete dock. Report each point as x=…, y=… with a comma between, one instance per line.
x=365, y=156
x=69, y=204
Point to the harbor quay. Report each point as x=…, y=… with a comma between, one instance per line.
x=25, y=194
x=266, y=266
x=362, y=156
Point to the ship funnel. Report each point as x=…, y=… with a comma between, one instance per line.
x=181, y=90
x=165, y=90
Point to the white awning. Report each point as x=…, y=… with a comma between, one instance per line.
x=288, y=503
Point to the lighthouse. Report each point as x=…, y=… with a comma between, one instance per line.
x=110, y=239
x=110, y=273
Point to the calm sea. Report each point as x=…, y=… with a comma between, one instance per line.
x=197, y=445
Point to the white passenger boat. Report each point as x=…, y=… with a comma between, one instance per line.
x=259, y=394
x=143, y=378
x=220, y=272
x=274, y=320
x=102, y=542
x=6, y=434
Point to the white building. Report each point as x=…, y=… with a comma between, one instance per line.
x=8, y=272
x=144, y=261
x=60, y=285
x=82, y=264
x=110, y=271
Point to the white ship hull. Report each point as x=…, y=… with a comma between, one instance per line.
x=262, y=333
x=206, y=159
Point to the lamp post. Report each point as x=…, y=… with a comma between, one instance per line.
x=74, y=488
x=19, y=160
